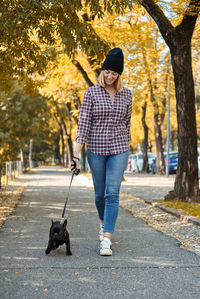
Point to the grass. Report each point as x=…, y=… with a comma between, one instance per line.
x=192, y=209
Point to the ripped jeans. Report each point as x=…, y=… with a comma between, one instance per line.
x=107, y=173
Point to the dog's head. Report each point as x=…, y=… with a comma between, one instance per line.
x=57, y=230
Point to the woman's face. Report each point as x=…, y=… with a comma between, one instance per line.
x=110, y=77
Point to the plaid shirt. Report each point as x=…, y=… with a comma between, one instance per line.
x=104, y=126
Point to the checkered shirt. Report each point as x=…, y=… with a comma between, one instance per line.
x=104, y=126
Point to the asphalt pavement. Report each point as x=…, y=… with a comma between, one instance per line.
x=145, y=262
x=149, y=187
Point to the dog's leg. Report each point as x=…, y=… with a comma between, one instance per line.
x=68, y=250
x=49, y=248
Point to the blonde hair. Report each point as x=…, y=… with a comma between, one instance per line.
x=118, y=82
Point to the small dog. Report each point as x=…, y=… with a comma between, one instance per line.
x=58, y=235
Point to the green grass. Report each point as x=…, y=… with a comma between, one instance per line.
x=192, y=209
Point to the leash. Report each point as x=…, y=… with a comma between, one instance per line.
x=63, y=213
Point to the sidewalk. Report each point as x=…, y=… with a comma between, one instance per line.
x=146, y=186
x=145, y=262
x=139, y=193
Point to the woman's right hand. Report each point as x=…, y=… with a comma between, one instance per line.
x=75, y=165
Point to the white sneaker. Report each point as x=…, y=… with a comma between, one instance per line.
x=105, y=247
x=101, y=232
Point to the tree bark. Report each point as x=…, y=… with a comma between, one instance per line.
x=173, y=138
x=57, y=150
x=68, y=142
x=83, y=72
x=186, y=183
x=160, y=163
x=145, y=166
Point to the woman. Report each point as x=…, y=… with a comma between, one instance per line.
x=104, y=124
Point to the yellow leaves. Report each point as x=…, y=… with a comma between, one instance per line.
x=45, y=290
x=9, y=198
x=63, y=79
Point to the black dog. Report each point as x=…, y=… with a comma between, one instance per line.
x=58, y=235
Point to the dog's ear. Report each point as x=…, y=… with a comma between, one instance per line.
x=52, y=223
x=65, y=222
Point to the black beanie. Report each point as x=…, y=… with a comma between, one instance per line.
x=114, y=61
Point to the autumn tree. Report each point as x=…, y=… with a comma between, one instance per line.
x=29, y=31
x=22, y=117
x=24, y=23
x=155, y=72
x=178, y=38
x=64, y=86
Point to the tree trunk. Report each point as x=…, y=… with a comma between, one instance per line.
x=57, y=150
x=69, y=149
x=63, y=147
x=30, y=153
x=158, y=119
x=173, y=138
x=186, y=183
x=160, y=163
x=68, y=141
x=145, y=166
x=66, y=152
x=22, y=158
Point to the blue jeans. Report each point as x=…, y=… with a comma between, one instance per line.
x=107, y=174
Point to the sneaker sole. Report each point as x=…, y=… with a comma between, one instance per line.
x=106, y=252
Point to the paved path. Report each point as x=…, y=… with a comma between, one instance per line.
x=147, y=186
x=146, y=264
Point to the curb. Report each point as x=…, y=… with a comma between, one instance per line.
x=174, y=212
x=168, y=210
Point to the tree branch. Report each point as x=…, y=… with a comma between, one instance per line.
x=83, y=72
x=190, y=17
x=159, y=17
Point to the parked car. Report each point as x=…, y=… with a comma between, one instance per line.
x=135, y=161
x=173, y=162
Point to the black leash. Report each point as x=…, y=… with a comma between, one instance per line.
x=63, y=213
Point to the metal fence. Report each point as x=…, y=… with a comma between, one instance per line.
x=9, y=170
